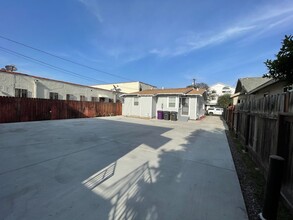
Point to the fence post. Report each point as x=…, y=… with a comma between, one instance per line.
x=247, y=129
x=273, y=187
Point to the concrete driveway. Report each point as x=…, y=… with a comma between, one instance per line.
x=118, y=168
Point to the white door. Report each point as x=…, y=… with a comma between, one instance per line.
x=184, y=105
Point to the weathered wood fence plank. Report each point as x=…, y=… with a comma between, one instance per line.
x=28, y=109
x=265, y=127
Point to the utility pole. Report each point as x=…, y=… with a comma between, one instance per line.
x=193, y=83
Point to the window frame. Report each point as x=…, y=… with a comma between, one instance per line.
x=136, y=101
x=68, y=97
x=21, y=93
x=53, y=95
x=94, y=99
x=82, y=98
x=173, y=103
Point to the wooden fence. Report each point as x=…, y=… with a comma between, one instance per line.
x=265, y=127
x=29, y=109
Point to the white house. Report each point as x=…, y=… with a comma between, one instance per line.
x=189, y=103
x=126, y=87
x=217, y=90
x=22, y=85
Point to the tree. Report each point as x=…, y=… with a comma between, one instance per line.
x=224, y=101
x=10, y=68
x=282, y=67
x=199, y=85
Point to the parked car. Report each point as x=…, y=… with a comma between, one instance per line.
x=215, y=111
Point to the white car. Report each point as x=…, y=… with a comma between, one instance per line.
x=215, y=111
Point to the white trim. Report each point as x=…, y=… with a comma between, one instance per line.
x=168, y=101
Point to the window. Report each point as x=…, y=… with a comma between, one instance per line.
x=53, y=95
x=68, y=97
x=82, y=98
x=172, y=102
x=22, y=93
x=135, y=101
x=110, y=100
x=95, y=99
x=102, y=99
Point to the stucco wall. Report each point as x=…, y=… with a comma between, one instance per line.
x=128, y=107
x=144, y=86
x=162, y=103
x=148, y=106
x=143, y=109
x=200, y=107
x=41, y=88
x=127, y=87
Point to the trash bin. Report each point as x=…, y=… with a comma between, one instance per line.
x=173, y=116
x=166, y=115
x=160, y=115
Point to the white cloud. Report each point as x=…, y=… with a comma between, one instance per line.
x=93, y=7
x=260, y=22
x=196, y=41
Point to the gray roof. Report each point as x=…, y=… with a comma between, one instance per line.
x=248, y=84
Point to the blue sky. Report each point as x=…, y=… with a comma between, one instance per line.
x=163, y=43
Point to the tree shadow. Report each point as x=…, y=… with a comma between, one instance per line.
x=185, y=183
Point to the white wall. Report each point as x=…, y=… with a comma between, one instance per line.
x=127, y=87
x=41, y=88
x=145, y=104
x=192, y=107
x=154, y=107
x=148, y=106
x=143, y=109
x=163, y=103
x=200, y=107
x=128, y=107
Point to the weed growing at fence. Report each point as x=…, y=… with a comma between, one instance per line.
x=252, y=181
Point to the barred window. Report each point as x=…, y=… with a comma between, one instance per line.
x=69, y=97
x=53, y=95
x=21, y=93
x=82, y=98
x=95, y=99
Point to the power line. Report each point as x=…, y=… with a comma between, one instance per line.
x=40, y=62
x=49, y=65
x=64, y=59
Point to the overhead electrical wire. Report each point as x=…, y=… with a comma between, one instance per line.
x=64, y=59
x=69, y=72
x=50, y=65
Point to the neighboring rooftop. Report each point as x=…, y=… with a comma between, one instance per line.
x=177, y=91
x=245, y=85
x=38, y=77
x=126, y=87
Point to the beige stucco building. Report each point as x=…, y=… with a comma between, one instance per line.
x=22, y=85
x=126, y=87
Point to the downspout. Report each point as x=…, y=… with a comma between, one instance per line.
x=35, y=88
